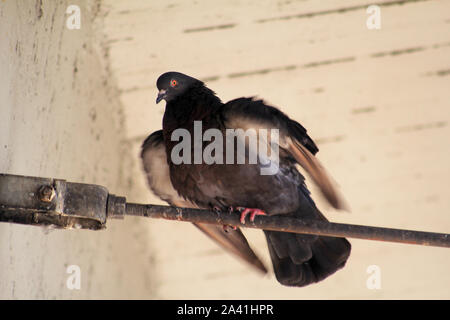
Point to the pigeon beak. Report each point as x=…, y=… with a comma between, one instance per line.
x=161, y=95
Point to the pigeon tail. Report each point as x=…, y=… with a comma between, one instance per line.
x=299, y=260
x=302, y=259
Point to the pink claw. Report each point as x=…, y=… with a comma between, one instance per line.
x=253, y=212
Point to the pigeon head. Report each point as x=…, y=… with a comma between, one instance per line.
x=173, y=84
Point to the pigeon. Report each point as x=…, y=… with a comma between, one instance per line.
x=227, y=184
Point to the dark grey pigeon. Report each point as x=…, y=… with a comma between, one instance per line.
x=298, y=260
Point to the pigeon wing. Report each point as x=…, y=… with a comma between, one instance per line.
x=294, y=142
x=155, y=165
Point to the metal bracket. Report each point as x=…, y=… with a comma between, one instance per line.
x=56, y=203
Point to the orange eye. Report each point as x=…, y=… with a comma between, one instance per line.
x=173, y=83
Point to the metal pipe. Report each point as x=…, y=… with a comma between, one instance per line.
x=286, y=224
x=62, y=204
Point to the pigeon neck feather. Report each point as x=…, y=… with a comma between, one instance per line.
x=196, y=104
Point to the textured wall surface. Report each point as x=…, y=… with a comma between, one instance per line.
x=77, y=104
x=61, y=117
x=376, y=101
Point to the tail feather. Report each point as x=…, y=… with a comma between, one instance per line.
x=299, y=260
x=299, y=251
x=330, y=255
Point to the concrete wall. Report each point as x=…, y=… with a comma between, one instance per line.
x=77, y=105
x=60, y=117
x=376, y=101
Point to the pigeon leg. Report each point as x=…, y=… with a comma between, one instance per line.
x=226, y=227
x=253, y=212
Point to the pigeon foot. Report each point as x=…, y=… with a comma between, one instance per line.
x=252, y=211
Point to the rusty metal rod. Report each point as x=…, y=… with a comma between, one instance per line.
x=287, y=224
x=62, y=204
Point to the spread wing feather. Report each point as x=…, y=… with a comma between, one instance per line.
x=155, y=165
x=294, y=142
